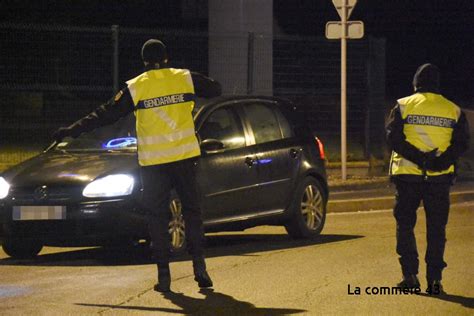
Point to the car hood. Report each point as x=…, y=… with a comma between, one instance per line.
x=55, y=168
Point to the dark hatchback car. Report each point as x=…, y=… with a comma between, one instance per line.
x=260, y=166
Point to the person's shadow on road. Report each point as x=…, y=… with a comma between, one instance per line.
x=463, y=300
x=213, y=303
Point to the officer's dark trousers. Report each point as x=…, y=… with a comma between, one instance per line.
x=435, y=197
x=158, y=181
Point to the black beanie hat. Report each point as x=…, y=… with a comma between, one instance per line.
x=426, y=78
x=154, y=51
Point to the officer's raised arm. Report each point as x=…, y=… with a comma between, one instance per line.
x=108, y=113
x=205, y=87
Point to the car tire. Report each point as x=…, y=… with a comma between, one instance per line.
x=307, y=210
x=21, y=248
x=176, y=227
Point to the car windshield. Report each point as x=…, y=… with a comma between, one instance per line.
x=119, y=136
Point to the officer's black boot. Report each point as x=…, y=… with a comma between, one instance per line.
x=409, y=281
x=435, y=287
x=164, y=279
x=200, y=274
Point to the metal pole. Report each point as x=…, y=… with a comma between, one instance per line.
x=368, y=105
x=344, y=91
x=115, y=58
x=250, y=58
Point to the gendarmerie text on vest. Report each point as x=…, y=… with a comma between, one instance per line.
x=430, y=120
x=164, y=100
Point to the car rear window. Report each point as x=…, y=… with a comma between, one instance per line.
x=267, y=122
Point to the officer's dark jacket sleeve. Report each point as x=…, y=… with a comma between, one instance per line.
x=458, y=146
x=107, y=113
x=205, y=87
x=396, y=139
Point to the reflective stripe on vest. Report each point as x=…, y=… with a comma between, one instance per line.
x=164, y=100
x=428, y=124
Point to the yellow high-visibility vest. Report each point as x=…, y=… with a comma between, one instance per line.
x=428, y=124
x=164, y=100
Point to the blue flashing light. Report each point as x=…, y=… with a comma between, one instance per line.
x=264, y=161
x=120, y=142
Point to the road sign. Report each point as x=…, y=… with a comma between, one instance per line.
x=339, y=4
x=355, y=30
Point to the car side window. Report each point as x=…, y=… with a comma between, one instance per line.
x=264, y=123
x=223, y=125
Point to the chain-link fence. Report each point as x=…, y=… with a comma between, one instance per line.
x=52, y=75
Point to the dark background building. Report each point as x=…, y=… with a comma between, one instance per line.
x=57, y=58
x=437, y=31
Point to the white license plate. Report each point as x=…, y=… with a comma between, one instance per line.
x=32, y=213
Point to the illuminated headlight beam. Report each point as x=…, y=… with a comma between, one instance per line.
x=4, y=188
x=109, y=186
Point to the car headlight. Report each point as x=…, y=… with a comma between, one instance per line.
x=113, y=185
x=4, y=188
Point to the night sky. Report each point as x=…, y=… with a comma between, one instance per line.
x=416, y=31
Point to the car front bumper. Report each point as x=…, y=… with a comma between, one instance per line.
x=83, y=224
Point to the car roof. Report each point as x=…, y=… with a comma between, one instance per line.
x=209, y=103
x=204, y=106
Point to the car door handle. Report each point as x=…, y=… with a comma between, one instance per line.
x=294, y=153
x=249, y=161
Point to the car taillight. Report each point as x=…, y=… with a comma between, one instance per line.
x=321, y=148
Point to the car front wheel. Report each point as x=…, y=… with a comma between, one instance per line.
x=21, y=249
x=307, y=210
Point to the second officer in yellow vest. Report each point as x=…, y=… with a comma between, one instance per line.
x=427, y=134
x=162, y=99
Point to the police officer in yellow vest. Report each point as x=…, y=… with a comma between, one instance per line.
x=427, y=134
x=162, y=99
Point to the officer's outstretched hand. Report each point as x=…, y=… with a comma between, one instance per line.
x=61, y=133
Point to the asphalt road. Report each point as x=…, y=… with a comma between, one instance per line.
x=256, y=272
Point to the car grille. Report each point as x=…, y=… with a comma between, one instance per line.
x=50, y=195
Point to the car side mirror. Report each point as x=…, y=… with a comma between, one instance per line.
x=212, y=146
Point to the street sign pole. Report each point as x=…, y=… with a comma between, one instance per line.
x=344, y=30
x=344, y=91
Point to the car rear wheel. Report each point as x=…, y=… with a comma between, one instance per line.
x=176, y=226
x=21, y=248
x=307, y=210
